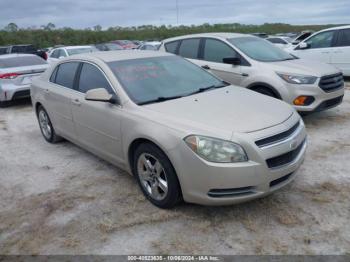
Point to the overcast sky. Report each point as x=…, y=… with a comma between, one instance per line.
x=87, y=13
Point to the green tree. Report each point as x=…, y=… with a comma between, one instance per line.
x=11, y=27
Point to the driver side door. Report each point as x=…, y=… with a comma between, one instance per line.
x=97, y=124
x=320, y=47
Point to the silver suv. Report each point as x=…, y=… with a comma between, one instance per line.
x=254, y=63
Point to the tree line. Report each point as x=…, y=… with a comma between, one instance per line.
x=48, y=35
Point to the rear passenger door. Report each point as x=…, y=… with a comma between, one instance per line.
x=214, y=51
x=341, y=54
x=97, y=124
x=59, y=95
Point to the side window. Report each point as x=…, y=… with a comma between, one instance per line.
x=344, y=37
x=62, y=53
x=321, y=40
x=66, y=73
x=55, y=53
x=91, y=77
x=53, y=76
x=189, y=48
x=171, y=47
x=216, y=51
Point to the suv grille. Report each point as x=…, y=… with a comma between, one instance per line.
x=331, y=82
x=284, y=159
x=277, y=138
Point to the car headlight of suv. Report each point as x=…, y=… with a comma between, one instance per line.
x=216, y=150
x=298, y=79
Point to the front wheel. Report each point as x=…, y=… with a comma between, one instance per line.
x=46, y=127
x=156, y=176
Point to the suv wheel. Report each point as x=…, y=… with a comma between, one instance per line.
x=46, y=127
x=156, y=176
x=265, y=91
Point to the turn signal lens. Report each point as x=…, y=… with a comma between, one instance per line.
x=300, y=101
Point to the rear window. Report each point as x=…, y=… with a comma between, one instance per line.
x=3, y=50
x=23, y=49
x=21, y=61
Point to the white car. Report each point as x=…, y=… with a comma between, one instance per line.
x=280, y=41
x=331, y=46
x=64, y=51
x=256, y=64
x=152, y=46
x=16, y=74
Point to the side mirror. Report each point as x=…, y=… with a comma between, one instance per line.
x=304, y=45
x=295, y=42
x=232, y=60
x=99, y=94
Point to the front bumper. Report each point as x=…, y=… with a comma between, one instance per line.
x=322, y=100
x=207, y=183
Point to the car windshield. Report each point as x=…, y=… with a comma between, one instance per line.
x=75, y=51
x=161, y=78
x=260, y=50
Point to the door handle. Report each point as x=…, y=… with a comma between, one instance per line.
x=206, y=67
x=76, y=102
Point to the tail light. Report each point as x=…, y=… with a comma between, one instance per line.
x=45, y=56
x=8, y=75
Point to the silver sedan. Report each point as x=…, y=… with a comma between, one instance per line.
x=182, y=132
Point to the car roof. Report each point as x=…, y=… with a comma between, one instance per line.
x=76, y=46
x=120, y=55
x=336, y=28
x=218, y=35
x=14, y=55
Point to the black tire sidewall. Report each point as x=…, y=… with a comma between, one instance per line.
x=174, y=191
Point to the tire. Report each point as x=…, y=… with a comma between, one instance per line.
x=265, y=91
x=151, y=176
x=46, y=127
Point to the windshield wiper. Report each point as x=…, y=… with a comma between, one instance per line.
x=203, y=89
x=159, y=99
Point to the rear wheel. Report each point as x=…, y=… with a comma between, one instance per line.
x=46, y=127
x=156, y=176
x=265, y=91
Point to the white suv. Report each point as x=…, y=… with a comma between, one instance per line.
x=331, y=46
x=252, y=62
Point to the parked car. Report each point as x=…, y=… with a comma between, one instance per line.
x=178, y=129
x=152, y=46
x=256, y=64
x=22, y=49
x=64, y=51
x=125, y=44
x=16, y=74
x=261, y=35
x=330, y=46
x=108, y=47
x=280, y=41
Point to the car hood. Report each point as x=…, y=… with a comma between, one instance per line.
x=230, y=109
x=303, y=67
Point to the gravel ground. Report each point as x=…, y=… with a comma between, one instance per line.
x=60, y=199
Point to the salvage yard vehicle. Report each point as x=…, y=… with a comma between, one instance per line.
x=64, y=51
x=16, y=74
x=108, y=47
x=22, y=49
x=256, y=64
x=330, y=46
x=152, y=46
x=182, y=132
x=280, y=41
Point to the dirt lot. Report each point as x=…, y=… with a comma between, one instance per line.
x=60, y=199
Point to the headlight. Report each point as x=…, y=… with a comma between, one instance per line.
x=298, y=79
x=216, y=150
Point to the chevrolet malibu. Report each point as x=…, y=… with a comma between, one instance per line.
x=182, y=132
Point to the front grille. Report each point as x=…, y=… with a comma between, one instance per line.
x=331, y=83
x=284, y=159
x=277, y=138
x=231, y=192
x=21, y=94
x=280, y=180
